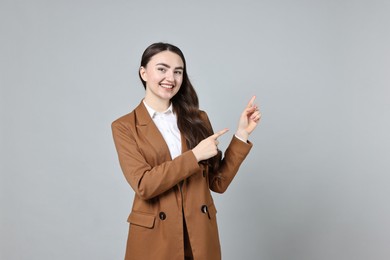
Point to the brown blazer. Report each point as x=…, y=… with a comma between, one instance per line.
x=160, y=202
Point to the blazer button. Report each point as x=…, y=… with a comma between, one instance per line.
x=162, y=215
x=204, y=209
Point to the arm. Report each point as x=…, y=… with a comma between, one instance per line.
x=220, y=179
x=148, y=181
x=239, y=147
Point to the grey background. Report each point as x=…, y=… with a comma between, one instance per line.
x=316, y=185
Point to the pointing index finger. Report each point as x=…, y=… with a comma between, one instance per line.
x=218, y=134
x=251, y=102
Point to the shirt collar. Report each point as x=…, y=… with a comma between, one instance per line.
x=153, y=112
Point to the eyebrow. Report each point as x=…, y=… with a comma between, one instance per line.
x=166, y=65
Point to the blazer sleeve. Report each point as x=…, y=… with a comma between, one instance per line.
x=236, y=152
x=147, y=181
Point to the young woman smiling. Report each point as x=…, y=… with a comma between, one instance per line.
x=169, y=155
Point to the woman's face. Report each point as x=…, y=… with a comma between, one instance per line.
x=163, y=76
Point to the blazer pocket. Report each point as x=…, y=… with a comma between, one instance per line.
x=141, y=219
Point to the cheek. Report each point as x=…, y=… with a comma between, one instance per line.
x=179, y=81
x=154, y=75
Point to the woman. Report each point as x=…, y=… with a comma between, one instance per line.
x=169, y=155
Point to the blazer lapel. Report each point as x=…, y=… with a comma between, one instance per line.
x=151, y=133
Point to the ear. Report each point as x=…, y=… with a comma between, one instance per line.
x=142, y=73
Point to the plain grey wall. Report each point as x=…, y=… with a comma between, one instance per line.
x=316, y=185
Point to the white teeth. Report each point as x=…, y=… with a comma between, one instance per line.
x=166, y=86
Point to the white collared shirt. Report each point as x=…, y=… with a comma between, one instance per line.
x=166, y=123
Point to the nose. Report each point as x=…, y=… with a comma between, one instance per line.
x=170, y=76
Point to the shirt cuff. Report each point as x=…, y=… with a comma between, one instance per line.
x=240, y=139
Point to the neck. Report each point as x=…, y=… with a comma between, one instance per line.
x=158, y=105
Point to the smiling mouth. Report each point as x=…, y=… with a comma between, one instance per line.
x=166, y=86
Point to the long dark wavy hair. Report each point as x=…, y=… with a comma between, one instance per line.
x=185, y=103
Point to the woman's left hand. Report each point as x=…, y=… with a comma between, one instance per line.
x=249, y=119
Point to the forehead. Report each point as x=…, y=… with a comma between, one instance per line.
x=167, y=57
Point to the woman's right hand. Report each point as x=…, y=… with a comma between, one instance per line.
x=208, y=147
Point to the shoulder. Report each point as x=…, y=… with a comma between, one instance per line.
x=138, y=117
x=203, y=115
x=124, y=122
x=124, y=119
x=205, y=119
x=127, y=120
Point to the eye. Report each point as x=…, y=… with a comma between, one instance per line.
x=161, y=69
x=178, y=72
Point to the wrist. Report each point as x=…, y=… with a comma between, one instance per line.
x=196, y=155
x=242, y=135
